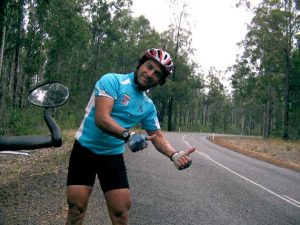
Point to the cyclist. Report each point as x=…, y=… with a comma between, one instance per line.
x=118, y=103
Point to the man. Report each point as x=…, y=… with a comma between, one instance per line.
x=118, y=103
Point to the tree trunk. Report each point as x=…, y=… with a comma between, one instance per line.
x=170, y=108
x=243, y=124
x=250, y=124
x=2, y=85
x=10, y=77
x=15, y=90
x=180, y=115
x=286, y=100
x=288, y=70
x=2, y=18
x=2, y=49
x=268, y=115
x=173, y=76
x=162, y=111
x=205, y=109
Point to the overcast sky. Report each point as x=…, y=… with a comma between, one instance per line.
x=216, y=26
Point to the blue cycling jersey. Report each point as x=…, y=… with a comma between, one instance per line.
x=130, y=108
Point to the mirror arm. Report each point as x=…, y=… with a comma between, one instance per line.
x=53, y=127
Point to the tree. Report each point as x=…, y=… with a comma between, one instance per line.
x=181, y=36
x=268, y=47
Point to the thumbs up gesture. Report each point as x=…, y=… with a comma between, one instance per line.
x=181, y=159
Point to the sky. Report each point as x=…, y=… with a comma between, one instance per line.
x=217, y=27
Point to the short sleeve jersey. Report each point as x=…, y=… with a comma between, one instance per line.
x=131, y=107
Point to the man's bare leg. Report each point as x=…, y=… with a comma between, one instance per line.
x=77, y=197
x=118, y=203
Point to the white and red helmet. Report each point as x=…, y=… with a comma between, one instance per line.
x=161, y=56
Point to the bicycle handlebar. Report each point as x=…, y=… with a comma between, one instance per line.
x=34, y=142
x=24, y=142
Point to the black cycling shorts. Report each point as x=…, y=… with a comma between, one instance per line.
x=84, y=165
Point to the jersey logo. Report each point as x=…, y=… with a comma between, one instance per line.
x=141, y=108
x=125, y=100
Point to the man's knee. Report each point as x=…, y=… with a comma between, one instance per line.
x=121, y=209
x=76, y=207
x=119, y=215
x=119, y=203
x=76, y=213
x=77, y=198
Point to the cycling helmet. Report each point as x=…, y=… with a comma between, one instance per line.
x=161, y=56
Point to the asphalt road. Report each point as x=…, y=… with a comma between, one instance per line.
x=221, y=187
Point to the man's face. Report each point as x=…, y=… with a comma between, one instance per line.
x=149, y=74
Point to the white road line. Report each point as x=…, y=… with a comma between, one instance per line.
x=286, y=199
x=291, y=199
x=205, y=155
x=183, y=138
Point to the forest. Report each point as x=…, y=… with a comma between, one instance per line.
x=77, y=41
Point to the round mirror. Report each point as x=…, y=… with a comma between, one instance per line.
x=49, y=95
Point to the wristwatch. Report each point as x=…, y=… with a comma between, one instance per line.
x=125, y=135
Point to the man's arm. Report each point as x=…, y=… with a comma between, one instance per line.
x=161, y=143
x=103, y=118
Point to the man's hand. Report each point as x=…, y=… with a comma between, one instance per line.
x=137, y=142
x=181, y=159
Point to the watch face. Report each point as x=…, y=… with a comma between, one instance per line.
x=125, y=134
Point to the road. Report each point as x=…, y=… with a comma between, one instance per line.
x=221, y=187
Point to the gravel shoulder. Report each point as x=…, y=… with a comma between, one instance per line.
x=276, y=151
x=27, y=182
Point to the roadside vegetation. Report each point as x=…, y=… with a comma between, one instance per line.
x=76, y=42
x=276, y=151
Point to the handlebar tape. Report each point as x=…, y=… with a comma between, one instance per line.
x=24, y=142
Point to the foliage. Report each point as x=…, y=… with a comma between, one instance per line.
x=76, y=42
x=265, y=77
